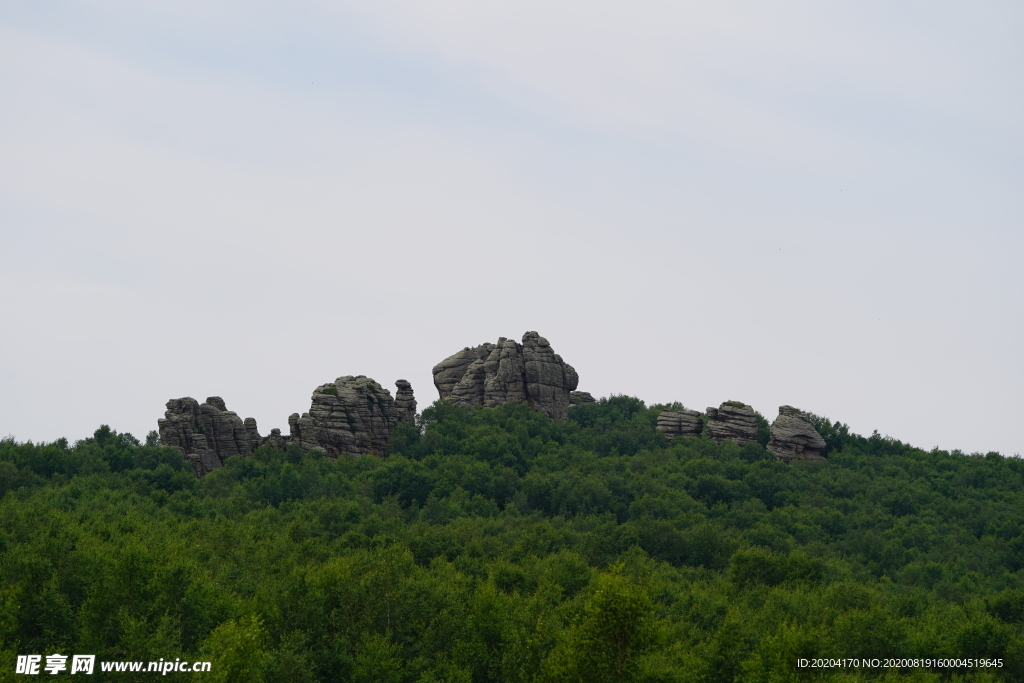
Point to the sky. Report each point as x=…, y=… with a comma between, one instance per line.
x=800, y=203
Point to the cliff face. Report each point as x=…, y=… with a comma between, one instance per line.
x=493, y=374
x=352, y=415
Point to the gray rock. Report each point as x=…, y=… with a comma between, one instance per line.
x=209, y=428
x=449, y=372
x=793, y=437
x=578, y=398
x=275, y=438
x=353, y=415
x=255, y=440
x=222, y=430
x=405, y=401
x=180, y=424
x=680, y=423
x=204, y=460
x=549, y=380
x=225, y=432
x=490, y=375
x=732, y=420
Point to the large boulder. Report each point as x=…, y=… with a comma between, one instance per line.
x=490, y=375
x=793, y=437
x=353, y=415
x=732, y=420
x=676, y=423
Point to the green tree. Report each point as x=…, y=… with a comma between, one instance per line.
x=236, y=650
x=607, y=644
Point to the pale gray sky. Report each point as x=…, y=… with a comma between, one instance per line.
x=816, y=204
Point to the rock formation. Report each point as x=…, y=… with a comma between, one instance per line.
x=276, y=439
x=680, y=423
x=578, y=398
x=492, y=374
x=794, y=437
x=204, y=460
x=732, y=420
x=353, y=415
x=207, y=433
x=405, y=402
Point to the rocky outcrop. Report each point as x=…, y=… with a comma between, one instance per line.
x=180, y=424
x=222, y=430
x=405, y=401
x=353, y=415
x=206, y=433
x=204, y=460
x=490, y=375
x=732, y=420
x=276, y=439
x=549, y=379
x=254, y=435
x=451, y=371
x=578, y=398
x=683, y=422
x=793, y=437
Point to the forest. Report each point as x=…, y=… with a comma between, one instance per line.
x=498, y=545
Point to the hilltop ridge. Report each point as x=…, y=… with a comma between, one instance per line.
x=355, y=415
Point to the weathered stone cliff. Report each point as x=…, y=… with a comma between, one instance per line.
x=680, y=423
x=793, y=437
x=732, y=420
x=493, y=374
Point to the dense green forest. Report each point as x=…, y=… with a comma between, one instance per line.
x=499, y=545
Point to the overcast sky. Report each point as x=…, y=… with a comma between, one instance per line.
x=805, y=203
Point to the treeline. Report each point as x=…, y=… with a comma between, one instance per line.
x=499, y=545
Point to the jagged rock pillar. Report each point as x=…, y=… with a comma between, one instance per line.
x=405, y=401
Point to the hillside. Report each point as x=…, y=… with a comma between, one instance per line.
x=499, y=544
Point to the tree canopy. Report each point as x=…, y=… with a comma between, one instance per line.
x=497, y=544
